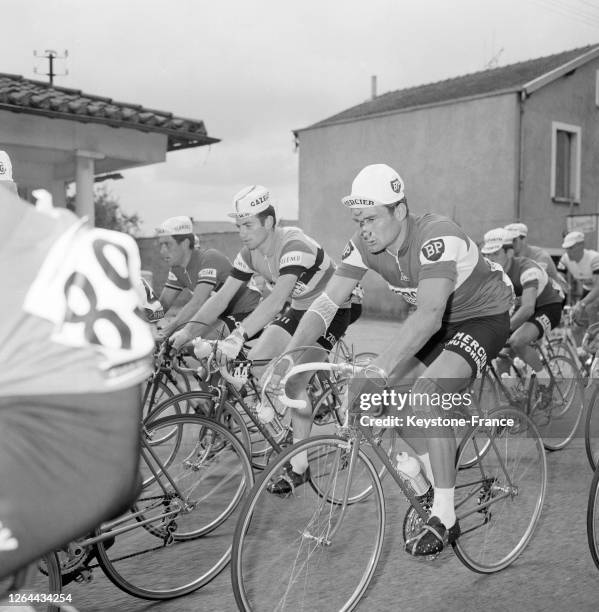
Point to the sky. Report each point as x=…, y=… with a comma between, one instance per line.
x=255, y=70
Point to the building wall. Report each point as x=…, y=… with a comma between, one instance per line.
x=457, y=159
x=570, y=100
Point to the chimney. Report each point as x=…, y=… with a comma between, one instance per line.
x=373, y=86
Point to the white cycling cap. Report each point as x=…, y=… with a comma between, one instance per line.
x=250, y=201
x=175, y=226
x=495, y=239
x=520, y=228
x=571, y=239
x=375, y=185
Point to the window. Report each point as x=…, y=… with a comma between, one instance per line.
x=565, y=163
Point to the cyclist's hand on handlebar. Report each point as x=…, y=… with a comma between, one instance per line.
x=229, y=348
x=578, y=312
x=179, y=338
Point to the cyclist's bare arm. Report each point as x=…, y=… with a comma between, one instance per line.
x=271, y=306
x=167, y=297
x=213, y=307
x=312, y=326
x=527, y=308
x=417, y=329
x=593, y=293
x=200, y=295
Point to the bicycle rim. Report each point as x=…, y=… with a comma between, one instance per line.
x=499, y=501
x=160, y=555
x=284, y=548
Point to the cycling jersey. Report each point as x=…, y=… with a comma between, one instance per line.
x=211, y=267
x=72, y=320
x=525, y=273
x=582, y=270
x=291, y=252
x=435, y=247
x=542, y=257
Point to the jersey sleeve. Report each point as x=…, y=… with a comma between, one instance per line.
x=214, y=269
x=352, y=262
x=173, y=282
x=561, y=264
x=442, y=249
x=531, y=276
x=296, y=257
x=242, y=268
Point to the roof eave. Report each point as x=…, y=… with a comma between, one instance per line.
x=559, y=72
x=323, y=124
x=191, y=139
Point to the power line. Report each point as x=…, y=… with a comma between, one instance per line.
x=568, y=11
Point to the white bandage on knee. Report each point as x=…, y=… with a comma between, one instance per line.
x=325, y=308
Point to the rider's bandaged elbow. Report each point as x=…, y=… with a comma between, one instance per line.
x=325, y=308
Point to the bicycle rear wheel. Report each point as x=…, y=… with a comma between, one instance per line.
x=499, y=501
x=158, y=556
x=593, y=519
x=283, y=547
x=591, y=426
x=558, y=413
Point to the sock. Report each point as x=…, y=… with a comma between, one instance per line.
x=443, y=506
x=428, y=470
x=299, y=462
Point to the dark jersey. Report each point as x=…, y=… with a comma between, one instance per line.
x=524, y=273
x=211, y=267
x=435, y=247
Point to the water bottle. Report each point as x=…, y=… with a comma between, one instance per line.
x=409, y=468
x=267, y=415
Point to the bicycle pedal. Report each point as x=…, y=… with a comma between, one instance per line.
x=84, y=576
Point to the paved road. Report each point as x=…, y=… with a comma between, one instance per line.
x=555, y=572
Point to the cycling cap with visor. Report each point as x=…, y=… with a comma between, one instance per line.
x=6, y=172
x=250, y=201
x=176, y=226
x=375, y=185
x=520, y=229
x=496, y=239
x=571, y=239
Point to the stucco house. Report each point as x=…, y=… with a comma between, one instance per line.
x=513, y=143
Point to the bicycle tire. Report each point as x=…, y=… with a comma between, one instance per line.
x=593, y=519
x=512, y=446
x=214, y=483
x=330, y=534
x=591, y=426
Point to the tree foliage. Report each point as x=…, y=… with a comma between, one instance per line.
x=108, y=212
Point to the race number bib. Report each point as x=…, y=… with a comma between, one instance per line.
x=85, y=289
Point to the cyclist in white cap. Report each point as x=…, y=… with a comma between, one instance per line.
x=460, y=322
x=198, y=273
x=540, y=303
x=583, y=266
x=296, y=269
x=541, y=256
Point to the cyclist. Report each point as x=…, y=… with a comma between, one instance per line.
x=198, y=272
x=583, y=266
x=540, y=303
x=541, y=256
x=460, y=322
x=74, y=349
x=297, y=269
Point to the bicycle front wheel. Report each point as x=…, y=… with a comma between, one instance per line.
x=153, y=551
x=284, y=548
x=593, y=519
x=591, y=426
x=499, y=500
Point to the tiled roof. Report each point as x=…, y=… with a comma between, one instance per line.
x=21, y=95
x=486, y=82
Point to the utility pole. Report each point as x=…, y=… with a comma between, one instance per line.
x=51, y=56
